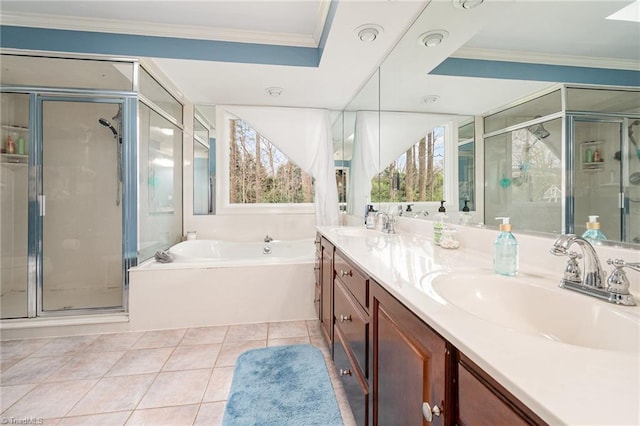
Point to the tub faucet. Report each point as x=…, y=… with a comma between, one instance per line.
x=268, y=239
x=591, y=282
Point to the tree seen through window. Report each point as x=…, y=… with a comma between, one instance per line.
x=417, y=175
x=260, y=173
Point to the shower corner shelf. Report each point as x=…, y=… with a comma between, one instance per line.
x=592, y=166
x=15, y=128
x=14, y=159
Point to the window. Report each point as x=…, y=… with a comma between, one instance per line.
x=259, y=173
x=415, y=176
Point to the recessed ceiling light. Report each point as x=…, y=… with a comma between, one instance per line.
x=430, y=99
x=432, y=38
x=467, y=4
x=274, y=91
x=368, y=32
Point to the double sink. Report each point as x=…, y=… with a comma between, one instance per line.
x=531, y=304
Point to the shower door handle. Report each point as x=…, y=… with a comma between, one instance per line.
x=42, y=202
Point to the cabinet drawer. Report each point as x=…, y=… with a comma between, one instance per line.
x=353, y=324
x=353, y=385
x=353, y=280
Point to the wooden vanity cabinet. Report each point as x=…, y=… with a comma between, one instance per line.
x=411, y=363
x=351, y=335
x=484, y=402
x=317, y=267
x=394, y=368
x=326, y=290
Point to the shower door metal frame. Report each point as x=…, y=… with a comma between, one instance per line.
x=128, y=103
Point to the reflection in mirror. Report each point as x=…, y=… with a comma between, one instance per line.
x=202, y=196
x=466, y=166
x=339, y=157
x=362, y=124
x=417, y=175
x=523, y=177
x=547, y=181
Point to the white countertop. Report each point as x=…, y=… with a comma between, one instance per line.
x=562, y=383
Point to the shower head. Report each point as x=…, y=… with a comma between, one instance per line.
x=106, y=123
x=539, y=131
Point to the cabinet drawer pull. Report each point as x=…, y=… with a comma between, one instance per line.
x=345, y=372
x=344, y=318
x=348, y=273
x=429, y=412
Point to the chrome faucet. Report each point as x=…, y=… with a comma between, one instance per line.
x=387, y=222
x=268, y=239
x=592, y=281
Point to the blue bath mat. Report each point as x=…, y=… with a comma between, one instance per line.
x=282, y=385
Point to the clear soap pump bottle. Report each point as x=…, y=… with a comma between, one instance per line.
x=593, y=231
x=505, y=250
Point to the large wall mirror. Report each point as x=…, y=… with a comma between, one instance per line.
x=501, y=144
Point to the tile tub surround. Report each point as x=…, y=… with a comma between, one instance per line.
x=179, y=376
x=556, y=380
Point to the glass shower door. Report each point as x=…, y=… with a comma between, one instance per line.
x=81, y=207
x=598, y=175
x=14, y=203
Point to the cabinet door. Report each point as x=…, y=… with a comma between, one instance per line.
x=326, y=304
x=484, y=402
x=409, y=361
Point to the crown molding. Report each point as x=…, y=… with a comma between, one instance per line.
x=155, y=29
x=549, y=59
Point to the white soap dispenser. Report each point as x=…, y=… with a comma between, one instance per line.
x=505, y=250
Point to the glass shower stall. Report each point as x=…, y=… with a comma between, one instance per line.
x=65, y=165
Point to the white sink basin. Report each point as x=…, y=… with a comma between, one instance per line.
x=553, y=313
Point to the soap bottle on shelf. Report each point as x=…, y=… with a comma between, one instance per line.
x=21, y=146
x=10, y=145
x=505, y=250
x=588, y=156
x=596, y=156
x=441, y=218
x=593, y=232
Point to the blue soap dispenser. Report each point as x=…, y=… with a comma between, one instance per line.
x=593, y=232
x=505, y=250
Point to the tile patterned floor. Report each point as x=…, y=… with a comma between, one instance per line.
x=172, y=377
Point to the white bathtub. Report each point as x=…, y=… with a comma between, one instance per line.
x=228, y=253
x=213, y=282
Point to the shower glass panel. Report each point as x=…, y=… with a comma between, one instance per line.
x=201, y=179
x=599, y=166
x=159, y=184
x=201, y=174
x=82, y=213
x=523, y=177
x=14, y=179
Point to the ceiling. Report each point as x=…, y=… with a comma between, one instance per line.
x=561, y=32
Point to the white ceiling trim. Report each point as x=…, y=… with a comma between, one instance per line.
x=323, y=11
x=164, y=30
x=550, y=59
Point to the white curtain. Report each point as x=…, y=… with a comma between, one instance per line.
x=303, y=135
x=380, y=138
